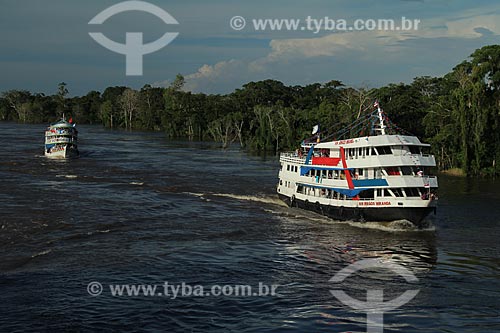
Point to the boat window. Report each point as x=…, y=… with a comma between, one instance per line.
x=397, y=192
x=384, y=150
x=360, y=172
x=426, y=150
x=393, y=171
x=412, y=192
x=288, y=167
x=415, y=150
x=382, y=192
x=367, y=194
x=407, y=171
x=423, y=190
x=373, y=151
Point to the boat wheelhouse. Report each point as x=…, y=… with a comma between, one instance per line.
x=61, y=140
x=381, y=177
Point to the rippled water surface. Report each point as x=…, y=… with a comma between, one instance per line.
x=139, y=209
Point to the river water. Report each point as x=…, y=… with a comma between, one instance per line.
x=138, y=209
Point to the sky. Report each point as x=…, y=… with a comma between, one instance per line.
x=45, y=42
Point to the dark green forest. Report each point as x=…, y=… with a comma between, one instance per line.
x=459, y=113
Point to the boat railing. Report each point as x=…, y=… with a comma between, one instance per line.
x=59, y=132
x=292, y=158
x=60, y=140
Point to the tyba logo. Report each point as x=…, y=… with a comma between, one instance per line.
x=374, y=305
x=133, y=49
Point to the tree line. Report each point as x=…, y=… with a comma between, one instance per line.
x=459, y=113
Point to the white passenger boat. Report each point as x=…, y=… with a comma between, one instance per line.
x=61, y=140
x=381, y=177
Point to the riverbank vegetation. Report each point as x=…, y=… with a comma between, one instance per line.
x=459, y=113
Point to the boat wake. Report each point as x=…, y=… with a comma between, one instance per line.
x=392, y=226
x=267, y=199
x=67, y=176
x=42, y=253
x=281, y=209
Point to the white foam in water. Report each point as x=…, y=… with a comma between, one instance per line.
x=67, y=176
x=392, y=226
x=137, y=183
x=265, y=199
x=199, y=195
x=41, y=253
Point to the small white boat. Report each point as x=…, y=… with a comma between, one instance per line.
x=61, y=140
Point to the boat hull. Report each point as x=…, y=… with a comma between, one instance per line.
x=65, y=152
x=415, y=215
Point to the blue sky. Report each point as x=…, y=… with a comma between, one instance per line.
x=47, y=42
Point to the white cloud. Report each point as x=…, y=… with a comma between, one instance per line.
x=466, y=28
x=221, y=74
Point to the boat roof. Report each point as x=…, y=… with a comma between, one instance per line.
x=373, y=141
x=61, y=123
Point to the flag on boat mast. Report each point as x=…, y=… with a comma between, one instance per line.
x=315, y=129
